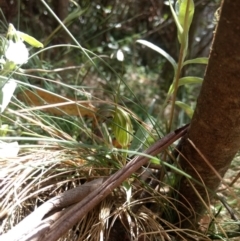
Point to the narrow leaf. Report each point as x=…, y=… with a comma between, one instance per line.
x=142, y=134
x=184, y=81
x=187, y=109
x=155, y=161
x=190, y=80
x=160, y=51
x=185, y=10
x=30, y=40
x=175, y=17
x=185, y=16
x=202, y=60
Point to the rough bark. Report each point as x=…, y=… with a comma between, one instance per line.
x=215, y=126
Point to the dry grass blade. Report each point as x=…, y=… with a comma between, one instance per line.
x=68, y=220
x=36, y=222
x=55, y=219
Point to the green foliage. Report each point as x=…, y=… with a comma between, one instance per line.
x=18, y=36
x=185, y=81
x=142, y=135
x=202, y=60
x=184, y=11
x=183, y=18
x=188, y=110
x=112, y=88
x=30, y=40
x=95, y=54
x=104, y=55
x=122, y=127
x=160, y=51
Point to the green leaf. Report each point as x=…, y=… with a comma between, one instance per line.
x=155, y=161
x=187, y=109
x=185, y=11
x=6, y=92
x=142, y=134
x=175, y=17
x=202, y=60
x=30, y=40
x=160, y=51
x=184, y=81
x=128, y=189
x=122, y=127
x=190, y=80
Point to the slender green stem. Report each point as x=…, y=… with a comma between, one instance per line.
x=67, y=31
x=184, y=43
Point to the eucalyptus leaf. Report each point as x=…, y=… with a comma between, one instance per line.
x=160, y=51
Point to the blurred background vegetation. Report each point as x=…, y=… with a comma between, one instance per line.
x=109, y=29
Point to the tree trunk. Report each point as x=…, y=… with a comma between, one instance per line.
x=61, y=8
x=215, y=126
